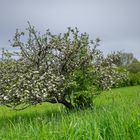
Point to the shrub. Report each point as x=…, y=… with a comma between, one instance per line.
x=134, y=67
x=134, y=79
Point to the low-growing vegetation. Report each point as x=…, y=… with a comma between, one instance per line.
x=115, y=116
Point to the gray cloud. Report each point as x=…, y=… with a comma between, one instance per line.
x=116, y=22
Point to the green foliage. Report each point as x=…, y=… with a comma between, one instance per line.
x=81, y=88
x=134, y=73
x=134, y=67
x=134, y=79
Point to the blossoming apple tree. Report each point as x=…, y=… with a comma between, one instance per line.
x=49, y=67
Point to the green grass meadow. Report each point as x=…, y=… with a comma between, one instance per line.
x=115, y=116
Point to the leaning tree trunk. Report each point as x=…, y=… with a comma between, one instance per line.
x=62, y=101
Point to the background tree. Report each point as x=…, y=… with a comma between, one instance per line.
x=121, y=58
x=108, y=73
x=134, y=72
x=134, y=67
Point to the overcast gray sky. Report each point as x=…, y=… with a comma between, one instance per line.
x=115, y=22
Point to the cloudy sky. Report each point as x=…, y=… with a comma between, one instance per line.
x=115, y=22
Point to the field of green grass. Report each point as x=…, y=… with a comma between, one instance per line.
x=115, y=116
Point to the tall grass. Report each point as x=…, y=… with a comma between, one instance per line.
x=115, y=116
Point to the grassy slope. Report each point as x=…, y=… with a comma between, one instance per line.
x=116, y=116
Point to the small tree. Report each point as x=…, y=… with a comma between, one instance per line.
x=49, y=68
